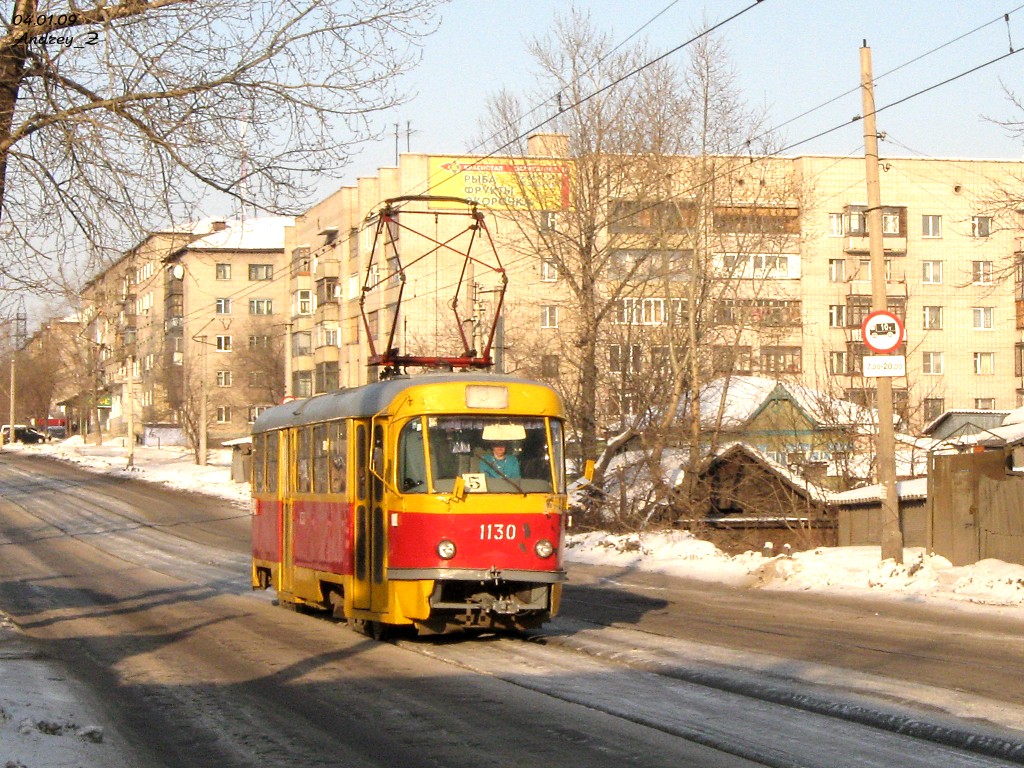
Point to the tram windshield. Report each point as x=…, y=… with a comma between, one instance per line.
x=490, y=454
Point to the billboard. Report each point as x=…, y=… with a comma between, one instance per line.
x=508, y=183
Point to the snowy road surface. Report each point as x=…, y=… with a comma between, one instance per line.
x=144, y=595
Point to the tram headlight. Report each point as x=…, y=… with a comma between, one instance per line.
x=544, y=548
x=446, y=549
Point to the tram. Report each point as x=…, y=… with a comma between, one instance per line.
x=434, y=501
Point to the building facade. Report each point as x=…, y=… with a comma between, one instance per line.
x=189, y=323
x=785, y=247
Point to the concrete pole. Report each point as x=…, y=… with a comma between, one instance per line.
x=892, y=533
x=204, y=396
x=12, y=437
x=131, y=410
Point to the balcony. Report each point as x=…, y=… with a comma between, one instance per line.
x=892, y=245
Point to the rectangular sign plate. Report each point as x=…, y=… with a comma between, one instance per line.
x=885, y=365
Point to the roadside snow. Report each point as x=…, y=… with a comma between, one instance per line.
x=993, y=584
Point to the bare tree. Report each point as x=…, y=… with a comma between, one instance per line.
x=117, y=116
x=609, y=134
x=678, y=225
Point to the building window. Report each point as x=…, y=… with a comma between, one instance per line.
x=837, y=270
x=932, y=320
x=981, y=226
x=223, y=414
x=984, y=363
x=302, y=383
x=933, y=408
x=858, y=307
x=837, y=363
x=983, y=318
x=985, y=403
x=781, y=359
x=261, y=271
x=256, y=342
x=223, y=343
x=981, y=272
x=302, y=343
x=261, y=307
x=932, y=363
x=223, y=378
x=326, y=376
x=931, y=272
x=625, y=358
x=223, y=271
x=837, y=316
x=890, y=223
x=255, y=411
x=304, y=302
x=835, y=225
x=223, y=307
x=549, y=366
x=732, y=359
x=327, y=291
x=931, y=225
x=548, y=271
x=549, y=316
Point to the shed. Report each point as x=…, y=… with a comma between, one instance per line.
x=859, y=514
x=241, y=458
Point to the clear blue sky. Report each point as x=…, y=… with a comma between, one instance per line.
x=790, y=56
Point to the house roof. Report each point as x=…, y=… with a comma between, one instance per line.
x=906, y=490
x=264, y=233
x=746, y=396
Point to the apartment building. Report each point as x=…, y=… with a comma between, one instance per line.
x=189, y=321
x=788, y=255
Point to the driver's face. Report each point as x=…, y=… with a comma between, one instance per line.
x=499, y=451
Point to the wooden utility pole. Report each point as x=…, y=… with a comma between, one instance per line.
x=892, y=533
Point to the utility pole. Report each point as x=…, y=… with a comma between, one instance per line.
x=892, y=533
x=202, y=406
x=131, y=410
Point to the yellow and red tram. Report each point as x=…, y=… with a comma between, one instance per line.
x=385, y=504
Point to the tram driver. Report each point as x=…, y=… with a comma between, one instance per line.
x=500, y=462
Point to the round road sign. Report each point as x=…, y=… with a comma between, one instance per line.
x=882, y=331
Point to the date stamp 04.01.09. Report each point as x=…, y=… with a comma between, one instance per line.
x=63, y=38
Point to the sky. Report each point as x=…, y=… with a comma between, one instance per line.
x=790, y=57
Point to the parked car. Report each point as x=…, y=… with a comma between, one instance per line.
x=23, y=434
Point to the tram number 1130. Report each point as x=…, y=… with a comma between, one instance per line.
x=497, y=531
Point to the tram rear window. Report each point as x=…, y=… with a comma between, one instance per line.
x=491, y=454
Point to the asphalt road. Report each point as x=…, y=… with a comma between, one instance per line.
x=144, y=593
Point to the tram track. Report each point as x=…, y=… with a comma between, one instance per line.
x=703, y=705
x=756, y=712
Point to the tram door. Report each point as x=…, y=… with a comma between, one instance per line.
x=361, y=543
x=287, y=480
x=369, y=589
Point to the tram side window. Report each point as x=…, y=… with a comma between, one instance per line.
x=271, y=451
x=320, y=458
x=412, y=466
x=338, y=456
x=304, y=461
x=361, y=485
x=259, y=457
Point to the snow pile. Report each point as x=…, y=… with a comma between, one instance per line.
x=852, y=570
x=172, y=466
x=994, y=584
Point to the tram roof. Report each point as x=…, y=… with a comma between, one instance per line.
x=364, y=401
